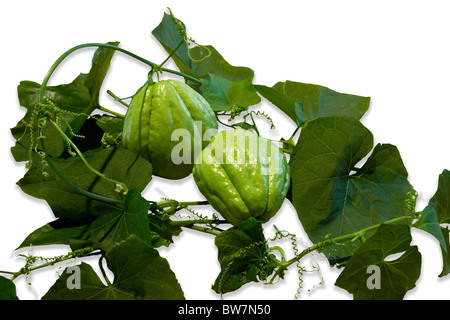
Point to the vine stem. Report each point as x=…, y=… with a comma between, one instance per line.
x=338, y=240
x=86, y=193
x=171, y=53
x=110, y=46
x=80, y=154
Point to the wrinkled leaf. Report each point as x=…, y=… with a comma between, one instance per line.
x=388, y=280
x=139, y=274
x=304, y=102
x=241, y=252
x=334, y=197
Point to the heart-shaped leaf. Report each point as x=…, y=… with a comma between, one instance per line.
x=332, y=196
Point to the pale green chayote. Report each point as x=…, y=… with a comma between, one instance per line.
x=242, y=175
x=155, y=113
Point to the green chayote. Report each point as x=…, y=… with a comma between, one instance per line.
x=155, y=113
x=242, y=175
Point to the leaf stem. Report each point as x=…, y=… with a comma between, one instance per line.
x=341, y=239
x=118, y=115
x=116, y=98
x=205, y=229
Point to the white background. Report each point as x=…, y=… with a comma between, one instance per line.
x=396, y=52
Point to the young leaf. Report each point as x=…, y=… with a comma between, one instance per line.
x=116, y=163
x=241, y=253
x=331, y=199
x=437, y=212
x=139, y=274
x=315, y=101
x=369, y=276
x=76, y=100
x=103, y=232
x=7, y=289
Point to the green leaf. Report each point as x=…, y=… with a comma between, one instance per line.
x=241, y=254
x=439, y=204
x=222, y=94
x=437, y=212
x=105, y=231
x=77, y=100
x=116, y=163
x=169, y=35
x=332, y=196
x=281, y=101
x=7, y=289
x=215, y=63
x=192, y=61
x=315, y=101
x=161, y=232
x=223, y=85
x=140, y=273
x=388, y=280
x=445, y=253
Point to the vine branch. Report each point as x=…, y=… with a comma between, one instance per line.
x=352, y=237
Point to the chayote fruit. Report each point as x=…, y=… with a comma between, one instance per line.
x=242, y=175
x=154, y=115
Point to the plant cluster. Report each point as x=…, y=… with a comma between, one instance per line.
x=91, y=165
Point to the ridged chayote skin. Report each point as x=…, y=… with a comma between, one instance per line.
x=153, y=115
x=242, y=175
